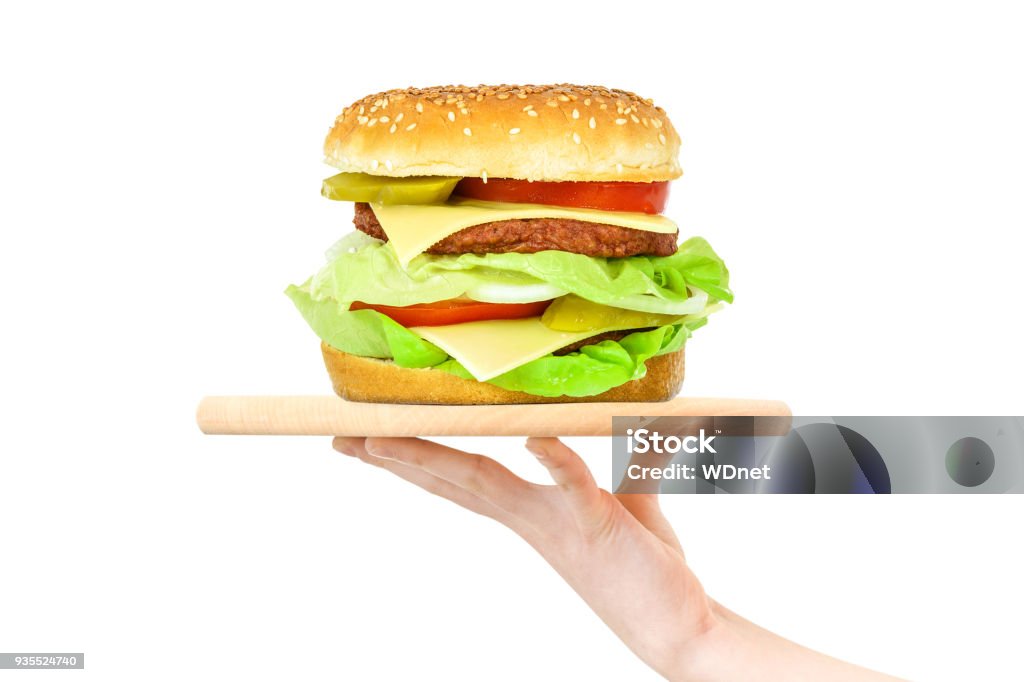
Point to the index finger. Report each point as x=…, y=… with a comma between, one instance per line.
x=481, y=476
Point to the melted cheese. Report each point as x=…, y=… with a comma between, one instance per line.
x=488, y=348
x=411, y=230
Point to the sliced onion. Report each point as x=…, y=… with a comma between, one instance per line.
x=649, y=304
x=495, y=292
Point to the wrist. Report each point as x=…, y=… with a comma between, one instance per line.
x=731, y=648
x=716, y=653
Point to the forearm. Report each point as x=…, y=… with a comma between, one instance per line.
x=736, y=649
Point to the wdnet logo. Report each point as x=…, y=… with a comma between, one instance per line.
x=643, y=441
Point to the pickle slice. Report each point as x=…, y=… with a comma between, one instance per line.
x=574, y=314
x=386, y=190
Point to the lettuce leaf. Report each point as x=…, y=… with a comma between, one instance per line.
x=591, y=370
x=365, y=269
x=364, y=332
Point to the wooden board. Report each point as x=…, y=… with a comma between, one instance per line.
x=331, y=416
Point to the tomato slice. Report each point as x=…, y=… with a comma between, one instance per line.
x=453, y=311
x=638, y=197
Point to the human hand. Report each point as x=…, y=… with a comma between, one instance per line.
x=618, y=552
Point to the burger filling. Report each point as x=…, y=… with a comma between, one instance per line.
x=547, y=288
x=538, y=234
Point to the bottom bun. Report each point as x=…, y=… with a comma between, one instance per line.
x=369, y=380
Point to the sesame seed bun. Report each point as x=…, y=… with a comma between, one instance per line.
x=528, y=132
x=368, y=380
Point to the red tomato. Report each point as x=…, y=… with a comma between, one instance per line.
x=453, y=311
x=638, y=197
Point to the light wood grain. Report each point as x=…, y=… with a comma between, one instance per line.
x=331, y=416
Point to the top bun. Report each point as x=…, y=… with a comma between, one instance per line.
x=526, y=132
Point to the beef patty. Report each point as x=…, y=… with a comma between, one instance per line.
x=598, y=338
x=539, y=234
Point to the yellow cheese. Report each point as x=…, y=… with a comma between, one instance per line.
x=414, y=229
x=488, y=348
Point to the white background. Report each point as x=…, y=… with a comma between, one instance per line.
x=858, y=167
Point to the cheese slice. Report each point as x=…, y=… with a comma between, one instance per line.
x=412, y=229
x=487, y=348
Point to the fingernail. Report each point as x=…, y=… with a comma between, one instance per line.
x=345, y=446
x=377, y=448
x=534, y=447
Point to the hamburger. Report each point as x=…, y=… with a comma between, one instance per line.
x=509, y=247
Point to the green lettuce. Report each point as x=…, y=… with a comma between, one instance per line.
x=591, y=370
x=364, y=332
x=365, y=269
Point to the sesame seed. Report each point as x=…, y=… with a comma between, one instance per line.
x=372, y=123
x=410, y=126
x=528, y=107
x=467, y=131
x=374, y=164
x=513, y=131
x=593, y=122
x=387, y=164
x=576, y=138
x=626, y=105
x=620, y=121
x=451, y=115
x=393, y=128
x=483, y=176
x=661, y=138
